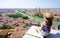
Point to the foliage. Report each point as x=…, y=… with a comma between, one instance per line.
x=58, y=19
x=39, y=15
x=25, y=17
x=24, y=12
x=1, y=36
x=5, y=27
x=59, y=26
x=17, y=15
x=11, y=30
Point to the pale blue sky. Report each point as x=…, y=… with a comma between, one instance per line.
x=29, y=3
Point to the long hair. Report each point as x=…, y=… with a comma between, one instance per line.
x=49, y=24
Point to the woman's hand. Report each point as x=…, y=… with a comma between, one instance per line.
x=37, y=29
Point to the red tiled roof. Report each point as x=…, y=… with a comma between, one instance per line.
x=34, y=22
x=27, y=21
x=4, y=32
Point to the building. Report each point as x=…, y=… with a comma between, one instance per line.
x=4, y=33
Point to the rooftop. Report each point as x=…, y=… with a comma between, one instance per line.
x=3, y=32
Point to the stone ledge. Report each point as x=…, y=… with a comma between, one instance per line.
x=31, y=33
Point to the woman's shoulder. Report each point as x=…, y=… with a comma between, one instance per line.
x=43, y=23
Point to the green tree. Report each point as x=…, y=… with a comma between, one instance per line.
x=59, y=26
x=39, y=15
x=58, y=19
x=25, y=17
x=3, y=27
x=17, y=15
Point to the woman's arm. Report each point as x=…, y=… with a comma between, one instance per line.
x=39, y=28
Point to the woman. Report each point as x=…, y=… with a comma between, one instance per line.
x=45, y=27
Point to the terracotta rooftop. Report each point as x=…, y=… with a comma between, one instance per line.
x=4, y=32
x=18, y=33
x=34, y=22
x=27, y=21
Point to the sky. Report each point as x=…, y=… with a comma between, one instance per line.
x=29, y=3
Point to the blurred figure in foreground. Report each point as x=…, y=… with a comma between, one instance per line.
x=45, y=27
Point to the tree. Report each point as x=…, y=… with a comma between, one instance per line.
x=17, y=15
x=39, y=15
x=3, y=27
x=25, y=17
x=59, y=26
x=58, y=19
